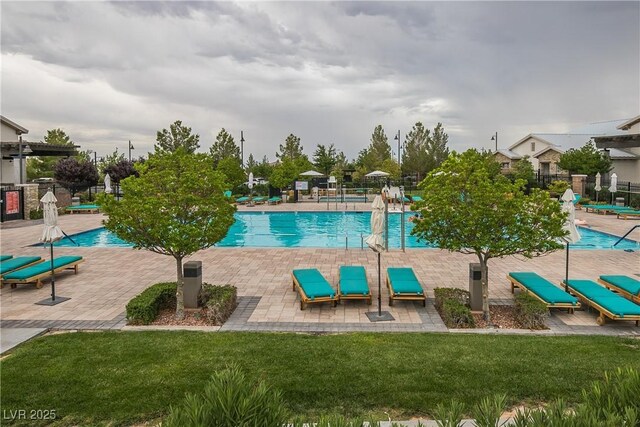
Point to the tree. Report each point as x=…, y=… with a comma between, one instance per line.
x=585, y=160
x=41, y=167
x=57, y=137
x=414, y=157
x=263, y=169
x=291, y=148
x=75, y=175
x=251, y=163
x=177, y=136
x=120, y=170
x=175, y=207
x=523, y=169
x=468, y=209
x=324, y=158
x=379, y=148
x=437, y=150
x=223, y=147
x=284, y=173
x=230, y=167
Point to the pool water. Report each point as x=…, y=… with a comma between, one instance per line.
x=320, y=230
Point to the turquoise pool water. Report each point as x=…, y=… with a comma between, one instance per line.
x=318, y=230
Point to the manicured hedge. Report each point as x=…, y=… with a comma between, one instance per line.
x=531, y=312
x=220, y=302
x=453, y=306
x=144, y=308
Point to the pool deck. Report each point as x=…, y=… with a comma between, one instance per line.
x=110, y=277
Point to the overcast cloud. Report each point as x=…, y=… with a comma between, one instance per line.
x=327, y=72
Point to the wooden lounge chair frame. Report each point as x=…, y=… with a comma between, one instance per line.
x=342, y=296
x=37, y=279
x=614, y=288
x=305, y=300
x=19, y=268
x=405, y=296
x=625, y=214
x=604, y=313
x=562, y=305
x=72, y=210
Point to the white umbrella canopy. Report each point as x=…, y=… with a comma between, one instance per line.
x=614, y=183
x=107, y=183
x=376, y=174
x=375, y=240
x=250, y=183
x=51, y=231
x=311, y=173
x=570, y=225
x=598, y=186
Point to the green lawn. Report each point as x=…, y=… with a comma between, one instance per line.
x=123, y=377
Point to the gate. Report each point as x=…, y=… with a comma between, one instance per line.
x=12, y=204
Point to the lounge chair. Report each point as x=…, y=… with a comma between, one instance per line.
x=416, y=198
x=406, y=200
x=35, y=273
x=312, y=287
x=608, y=303
x=242, y=200
x=227, y=194
x=624, y=285
x=274, y=200
x=353, y=283
x=5, y=257
x=259, y=200
x=544, y=290
x=83, y=209
x=404, y=285
x=627, y=213
x=17, y=263
x=604, y=209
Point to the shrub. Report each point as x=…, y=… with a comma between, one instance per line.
x=558, y=187
x=36, y=214
x=144, y=308
x=443, y=294
x=531, y=313
x=220, y=302
x=634, y=201
x=230, y=400
x=456, y=315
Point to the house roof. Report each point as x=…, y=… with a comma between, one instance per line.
x=509, y=154
x=19, y=129
x=626, y=125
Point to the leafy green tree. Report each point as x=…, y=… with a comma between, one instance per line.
x=340, y=165
x=251, y=163
x=263, y=169
x=230, y=167
x=291, y=148
x=585, y=160
x=523, y=169
x=470, y=210
x=224, y=146
x=436, y=148
x=177, y=136
x=175, y=207
x=324, y=158
x=391, y=167
x=414, y=157
x=75, y=175
x=57, y=137
x=379, y=148
x=284, y=173
x=41, y=167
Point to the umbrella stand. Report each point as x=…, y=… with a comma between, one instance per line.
x=54, y=300
x=380, y=316
x=566, y=273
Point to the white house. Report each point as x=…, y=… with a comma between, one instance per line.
x=544, y=149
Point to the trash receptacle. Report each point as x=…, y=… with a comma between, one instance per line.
x=475, y=286
x=619, y=201
x=192, y=272
x=75, y=201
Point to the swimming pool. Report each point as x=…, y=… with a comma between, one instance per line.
x=319, y=230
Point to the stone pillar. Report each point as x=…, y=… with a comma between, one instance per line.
x=31, y=199
x=579, y=184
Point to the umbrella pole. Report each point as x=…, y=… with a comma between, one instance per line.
x=566, y=273
x=379, y=289
x=53, y=276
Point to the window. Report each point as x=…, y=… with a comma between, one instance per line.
x=533, y=146
x=505, y=165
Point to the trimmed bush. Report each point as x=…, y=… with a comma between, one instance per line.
x=220, y=302
x=455, y=294
x=144, y=308
x=456, y=315
x=39, y=214
x=531, y=313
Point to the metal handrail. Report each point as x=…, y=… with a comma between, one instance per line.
x=628, y=232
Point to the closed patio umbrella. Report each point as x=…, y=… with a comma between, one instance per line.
x=598, y=186
x=107, y=183
x=614, y=186
x=569, y=226
x=376, y=243
x=51, y=233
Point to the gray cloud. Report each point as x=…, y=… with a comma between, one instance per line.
x=328, y=72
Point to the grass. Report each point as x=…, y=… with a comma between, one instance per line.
x=125, y=377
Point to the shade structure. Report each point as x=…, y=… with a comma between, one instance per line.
x=375, y=174
x=107, y=183
x=312, y=173
x=569, y=226
x=375, y=240
x=50, y=234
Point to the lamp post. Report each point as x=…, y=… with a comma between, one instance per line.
x=397, y=138
x=495, y=138
x=130, y=148
x=242, y=148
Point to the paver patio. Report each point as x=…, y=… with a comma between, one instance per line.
x=110, y=277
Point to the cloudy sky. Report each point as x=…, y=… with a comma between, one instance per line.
x=328, y=72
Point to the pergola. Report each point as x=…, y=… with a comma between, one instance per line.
x=12, y=149
x=617, y=141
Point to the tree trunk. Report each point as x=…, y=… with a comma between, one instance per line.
x=179, y=291
x=486, y=315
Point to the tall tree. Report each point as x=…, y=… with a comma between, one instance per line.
x=75, y=175
x=284, y=173
x=224, y=146
x=585, y=160
x=263, y=169
x=177, y=136
x=379, y=147
x=57, y=137
x=41, y=167
x=175, y=207
x=251, y=163
x=414, y=157
x=468, y=208
x=437, y=150
x=324, y=158
x=291, y=148
x=230, y=167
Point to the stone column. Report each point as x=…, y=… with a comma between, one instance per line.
x=579, y=184
x=31, y=199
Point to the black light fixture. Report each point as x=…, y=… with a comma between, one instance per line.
x=495, y=138
x=242, y=148
x=397, y=138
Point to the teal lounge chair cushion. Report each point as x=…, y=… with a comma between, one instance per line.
x=416, y=198
x=242, y=199
x=313, y=283
x=227, y=194
x=543, y=288
x=353, y=280
x=626, y=283
x=13, y=263
x=404, y=281
x=610, y=301
x=43, y=267
x=5, y=257
x=81, y=207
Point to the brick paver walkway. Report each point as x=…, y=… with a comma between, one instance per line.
x=110, y=277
